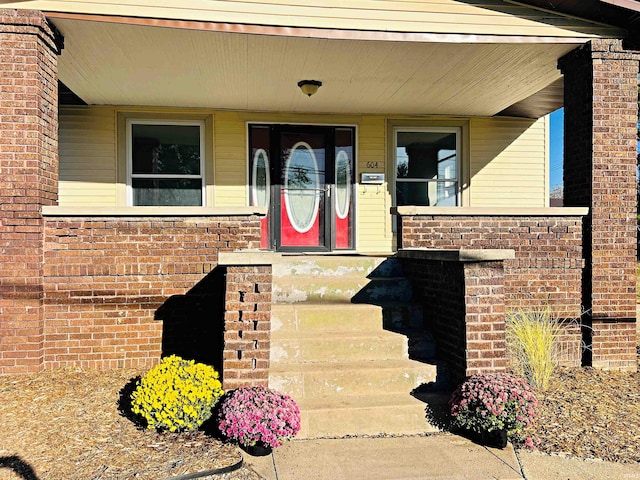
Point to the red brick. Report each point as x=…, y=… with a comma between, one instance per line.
x=30, y=124
x=599, y=164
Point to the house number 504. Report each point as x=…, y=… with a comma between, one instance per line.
x=372, y=164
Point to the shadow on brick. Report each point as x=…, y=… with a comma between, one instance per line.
x=193, y=323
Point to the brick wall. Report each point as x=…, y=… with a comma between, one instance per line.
x=29, y=166
x=601, y=112
x=108, y=281
x=547, y=268
x=439, y=287
x=247, y=335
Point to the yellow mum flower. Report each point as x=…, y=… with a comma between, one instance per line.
x=177, y=394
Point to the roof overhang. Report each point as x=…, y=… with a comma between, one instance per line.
x=471, y=58
x=624, y=14
x=122, y=64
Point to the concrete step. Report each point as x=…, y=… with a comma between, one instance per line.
x=400, y=316
x=302, y=346
x=320, y=318
x=327, y=265
x=343, y=330
x=339, y=416
x=342, y=289
x=343, y=320
x=330, y=379
x=325, y=279
x=407, y=319
x=319, y=289
x=381, y=291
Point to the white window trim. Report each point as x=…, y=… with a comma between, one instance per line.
x=458, y=178
x=129, y=154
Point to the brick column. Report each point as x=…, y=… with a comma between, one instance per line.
x=247, y=319
x=28, y=179
x=601, y=93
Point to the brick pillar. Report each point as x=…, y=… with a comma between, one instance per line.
x=28, y=179
x=486, y=348
x=247, y=326
x=462, y=293
x=600, y=97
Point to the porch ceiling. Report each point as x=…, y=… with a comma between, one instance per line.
x=117, y=64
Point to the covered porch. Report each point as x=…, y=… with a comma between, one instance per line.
x=146, y=64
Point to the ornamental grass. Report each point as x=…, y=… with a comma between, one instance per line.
x=533, y=344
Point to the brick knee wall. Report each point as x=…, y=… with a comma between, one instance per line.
x=29, y=166
x=547, y=269
x=105, y=280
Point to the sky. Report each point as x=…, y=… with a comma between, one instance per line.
x=556, y=147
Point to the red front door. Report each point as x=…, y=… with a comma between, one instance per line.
x=303, y=190
x=310, y=204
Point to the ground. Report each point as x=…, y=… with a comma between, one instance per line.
x=591, y=413
x=65, y=424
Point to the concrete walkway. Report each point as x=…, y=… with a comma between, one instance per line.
x=441, y=457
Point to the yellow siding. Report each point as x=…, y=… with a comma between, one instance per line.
x=508, y=162
x=87, y=157
x=430, y=16
x=373, y=201
x=230, y=160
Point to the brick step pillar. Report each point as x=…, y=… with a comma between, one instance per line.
x=462, y=292
x=247, y=318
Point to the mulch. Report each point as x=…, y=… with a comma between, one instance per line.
x=593, y=414
x=66, y=424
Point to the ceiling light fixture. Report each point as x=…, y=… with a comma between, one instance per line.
x=309, y=87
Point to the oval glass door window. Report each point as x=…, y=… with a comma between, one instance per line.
x=343, y=184
x=261, y=179
x=302, y=187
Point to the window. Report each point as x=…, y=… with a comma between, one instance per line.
x=165, y=163
x=427, y=166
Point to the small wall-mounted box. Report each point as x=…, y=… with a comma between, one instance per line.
x=372, y=178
